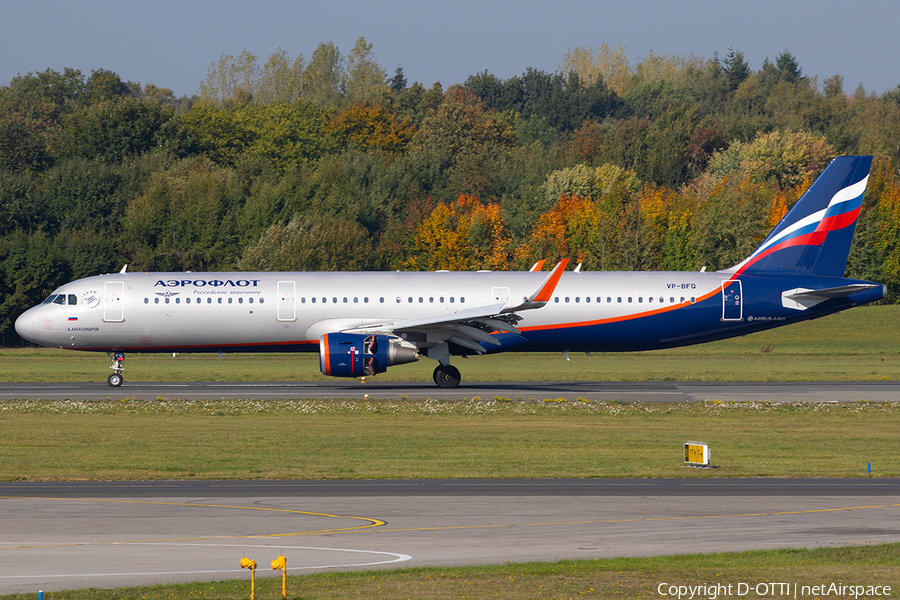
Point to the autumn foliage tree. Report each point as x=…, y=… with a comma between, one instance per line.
x=465, y=235
x=368, y=125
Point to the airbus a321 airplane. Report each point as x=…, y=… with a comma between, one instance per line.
x=363, y=323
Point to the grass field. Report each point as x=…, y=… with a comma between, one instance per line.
x=860, y=344
x=605, y=579
x=237, y=439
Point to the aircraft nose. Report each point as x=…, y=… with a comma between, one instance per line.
x=25, y=325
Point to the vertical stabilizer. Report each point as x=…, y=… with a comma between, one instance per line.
x=815, y=235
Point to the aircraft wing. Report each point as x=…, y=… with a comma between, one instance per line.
x=469, y=326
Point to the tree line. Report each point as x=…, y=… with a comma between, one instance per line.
x=330, y=163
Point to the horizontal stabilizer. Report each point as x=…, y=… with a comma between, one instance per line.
x=802, y=298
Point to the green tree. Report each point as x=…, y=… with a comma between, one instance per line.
x=788, y=67
x=786, y=158
x=185, y=220
x=322, y=77
x=398, y=81
x=364, y=79
x=110, y=130
x=276, y=134
x=105, y=86
x=736, y=69
x=281, y=79
x=231, y=79
x=311, y=242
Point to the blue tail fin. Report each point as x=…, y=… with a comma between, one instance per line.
x=815, y=235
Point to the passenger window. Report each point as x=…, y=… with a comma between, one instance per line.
x=577, y=299
x=177, y=300
x=693, y=299
x=345, y=300
x=398, y=299
x=167, y=300
x=146, y=300
x=620, y=299
x=241, y=300
x=608, y=300
x=587, y=299
x=442, y=299
x=410, y=299
x=452, y=300
x=641, y=300
x=672, y=300
x=381, y=300
x=355, y=300
x=261, y=300
x=156, y=301
x=366, y=299
x=187, y=300
x=431, y=299
x=462, y=299
x=220, y=301
x=313, y=299
x=334, y=300
x=230, y=300
x=421, y=299
x=209, y=300
x=250, y=299
x=556, y=299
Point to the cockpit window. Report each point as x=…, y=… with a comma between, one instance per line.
x=61, y=299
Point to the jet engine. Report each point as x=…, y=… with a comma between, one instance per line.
x=354, y=355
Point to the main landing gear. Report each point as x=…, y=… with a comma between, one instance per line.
x=446, y=376
x=118, y=359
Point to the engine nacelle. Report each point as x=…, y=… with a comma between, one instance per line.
x=354, y=355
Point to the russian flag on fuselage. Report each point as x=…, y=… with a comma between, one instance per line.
x=816, y=233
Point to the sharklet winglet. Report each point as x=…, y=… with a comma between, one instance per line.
x=544, y=292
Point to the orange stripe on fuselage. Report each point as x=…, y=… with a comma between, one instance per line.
x=618, y=319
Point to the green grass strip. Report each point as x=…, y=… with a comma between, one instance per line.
x=765, y=573
x=482, y=438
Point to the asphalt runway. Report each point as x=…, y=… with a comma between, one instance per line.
x=888, y=391
x=58, y=536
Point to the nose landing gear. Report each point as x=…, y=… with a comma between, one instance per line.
x=118, y=359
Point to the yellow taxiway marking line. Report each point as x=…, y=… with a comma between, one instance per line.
x=644, y=519
x=371, y=522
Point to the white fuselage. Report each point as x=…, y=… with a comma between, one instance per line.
x=148, y=312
